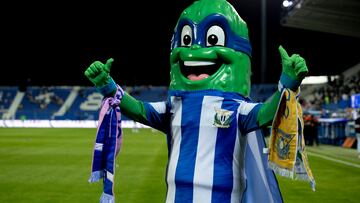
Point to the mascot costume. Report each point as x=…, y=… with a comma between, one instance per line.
x=213, y=130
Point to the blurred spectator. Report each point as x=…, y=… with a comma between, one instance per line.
x=311, y=129
x=44, y=98
x=357, y=131
x=335, y=94
x=1, y=96
x=1, y=100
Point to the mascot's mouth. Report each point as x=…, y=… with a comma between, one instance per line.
x=198, y=70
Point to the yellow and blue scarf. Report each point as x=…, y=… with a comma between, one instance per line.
x=107, y=145
x=287, y=155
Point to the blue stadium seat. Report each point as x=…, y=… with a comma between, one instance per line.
x=40, y=103
x=33, y=105
x=7, y=95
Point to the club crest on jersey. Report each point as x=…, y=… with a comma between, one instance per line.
x=222, y=118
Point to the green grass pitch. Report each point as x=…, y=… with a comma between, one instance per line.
x=53, y=165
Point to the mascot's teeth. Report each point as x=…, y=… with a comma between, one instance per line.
x=198, y=63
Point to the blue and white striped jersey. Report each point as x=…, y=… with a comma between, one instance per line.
x=206, y=149
x=206, y=140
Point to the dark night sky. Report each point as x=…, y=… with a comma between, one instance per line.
x=54, y=43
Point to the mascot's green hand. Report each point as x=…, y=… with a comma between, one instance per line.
x=99, y=74
x=294, y=69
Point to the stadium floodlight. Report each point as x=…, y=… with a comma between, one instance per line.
x=287, y=3
x=314, y=80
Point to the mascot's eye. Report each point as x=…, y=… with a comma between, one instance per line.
x=215, y=36
x=186, y=36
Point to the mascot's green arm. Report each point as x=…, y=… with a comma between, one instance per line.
x=99, y=74
x=268, y=110
x=133, y=108
x=294, y=70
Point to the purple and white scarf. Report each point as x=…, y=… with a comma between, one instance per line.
x=107, y=145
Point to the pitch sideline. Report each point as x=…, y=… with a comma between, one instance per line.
x=334, y=160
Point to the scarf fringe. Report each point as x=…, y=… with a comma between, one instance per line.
x=281, y=171
x=96, y=176
x=106, y=198
x=290, y=174
x=312, y=185
x=305, y=177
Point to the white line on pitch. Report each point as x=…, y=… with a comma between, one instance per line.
x=334, y=160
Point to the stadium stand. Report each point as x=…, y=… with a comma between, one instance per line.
x=40, y=103
x=329, y=103
x=85, y=105
x=7, y=95
x=332, y=104
x=82, y=103
x=261, y=92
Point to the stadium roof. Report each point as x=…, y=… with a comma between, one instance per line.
x=53, y=43
x=332, y=16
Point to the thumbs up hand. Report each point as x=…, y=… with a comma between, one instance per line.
x=294, y=69
x=99, y=73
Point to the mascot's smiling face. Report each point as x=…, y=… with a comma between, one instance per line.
x=211, y=49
